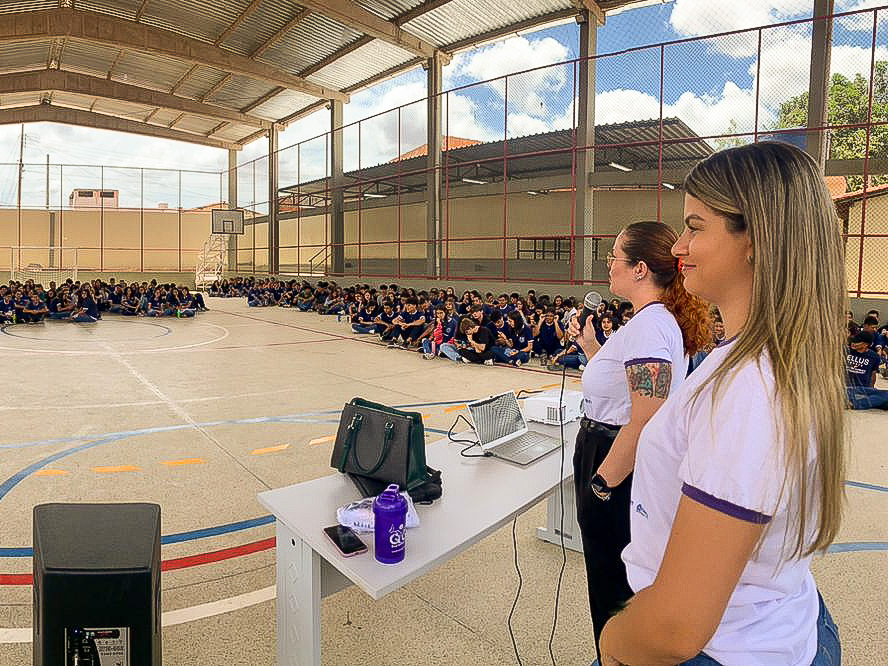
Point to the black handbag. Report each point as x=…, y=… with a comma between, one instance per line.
x=381, y=444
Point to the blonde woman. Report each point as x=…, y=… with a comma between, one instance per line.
x=738, y=477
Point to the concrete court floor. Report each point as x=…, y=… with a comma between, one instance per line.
x=200, y=415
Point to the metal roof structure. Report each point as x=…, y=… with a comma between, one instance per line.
x=632, y=145
x=221, y=73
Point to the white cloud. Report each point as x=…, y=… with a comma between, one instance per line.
x=529, y=93
x=694, y=18
x=860, y=22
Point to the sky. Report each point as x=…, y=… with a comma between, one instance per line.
x=710, y=84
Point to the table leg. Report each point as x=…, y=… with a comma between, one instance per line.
x=298, y=601
x=552, y=531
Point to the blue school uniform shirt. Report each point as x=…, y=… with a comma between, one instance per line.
x=450, y=328
x=521, y=338
x=860, y=367
x=410, y=318
x=7, y=306
x=547, y=333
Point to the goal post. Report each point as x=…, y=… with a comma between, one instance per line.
x=42, y=264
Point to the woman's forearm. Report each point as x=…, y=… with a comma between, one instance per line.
x=620, y=460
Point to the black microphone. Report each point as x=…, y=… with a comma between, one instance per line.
x=590, y=306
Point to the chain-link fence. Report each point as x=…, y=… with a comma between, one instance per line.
x=529, y=189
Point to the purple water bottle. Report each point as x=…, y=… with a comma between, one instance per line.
x=390, y=525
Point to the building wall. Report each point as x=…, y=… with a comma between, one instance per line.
x=118, y=239
x=875, y=250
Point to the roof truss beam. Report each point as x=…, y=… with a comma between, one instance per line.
x=109, y=89
x=592, y=7
x=105, y=29
x=46, y=113
x=355, y=16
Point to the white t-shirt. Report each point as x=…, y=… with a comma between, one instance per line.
x=728, y=458
x=652, y=335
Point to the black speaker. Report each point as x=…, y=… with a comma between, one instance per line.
x=97, y=585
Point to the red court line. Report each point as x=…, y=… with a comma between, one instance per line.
x=176, y=563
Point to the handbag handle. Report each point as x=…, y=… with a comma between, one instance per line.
x=353, y=428
x=387, y=444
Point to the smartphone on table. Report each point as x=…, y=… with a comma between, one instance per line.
x=346, y=540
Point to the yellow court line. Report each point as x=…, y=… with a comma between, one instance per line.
x=270, y=449
x=455, y=408
x=118, y=468
x=51, y=472
x=322, y=440
x=426, y=416
x=548, y=386
x=186, y=461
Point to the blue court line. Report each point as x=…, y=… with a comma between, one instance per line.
x=857, y=546
x=292, y=418
x=173, y=538
x=868, y=486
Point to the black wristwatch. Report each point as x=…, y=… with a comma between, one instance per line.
x=600, y=488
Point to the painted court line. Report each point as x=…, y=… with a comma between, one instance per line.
x=175, y=617
x=51, y=472
x=269, y=449
x=186, y=461
x=321, y=440
x=117, y=468
x=455, y=408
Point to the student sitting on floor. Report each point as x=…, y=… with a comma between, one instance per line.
x=86, y=311
x=480, y=343
x=185, y=305
x=410, y=324
x=130, y=304
x=547, y=335
x=363, y=321
x=35, y=310
x=861, y=364
x=197, y=298
x=571, y=356
x=431, y=344
x=7, y=309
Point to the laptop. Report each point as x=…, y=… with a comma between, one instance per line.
x=502, y=430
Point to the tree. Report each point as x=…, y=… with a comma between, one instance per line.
x=730, y=141
x=847, y=105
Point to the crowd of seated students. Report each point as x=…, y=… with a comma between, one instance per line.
x=29, y=303
x=470, y=328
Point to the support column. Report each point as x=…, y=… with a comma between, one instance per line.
x=584, y=249
x=232, y=203
x=434, y=176
x=818, y=81
x=337, y=196
x=274, y=230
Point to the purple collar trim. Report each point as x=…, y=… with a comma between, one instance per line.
x=727, y=341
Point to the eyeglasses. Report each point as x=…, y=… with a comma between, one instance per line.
x=611, y=259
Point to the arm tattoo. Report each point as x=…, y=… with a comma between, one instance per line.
x=652, y=380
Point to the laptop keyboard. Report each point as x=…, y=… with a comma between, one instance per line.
x=522, y=443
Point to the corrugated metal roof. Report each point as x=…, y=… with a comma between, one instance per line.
x=164, y=117
x=361, y=64
x=240, y=91
x=194, y=18
x=88, y=58
x=234, y=132
x=149, y=71
x=122, y=8
x=460, y=19
x=283, y=104
x=200, y=81
x=71, y=100
x=24, y=56
x=196, y=124
x=261, y=25
x=127, y=110
x=14, y=100
x=16, y=6
x=310, y=41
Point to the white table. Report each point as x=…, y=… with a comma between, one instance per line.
x=480, y=496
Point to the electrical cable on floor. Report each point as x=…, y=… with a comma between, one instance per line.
x=517, y=593
x=561, y=528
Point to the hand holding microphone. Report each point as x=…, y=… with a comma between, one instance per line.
x=590, y=305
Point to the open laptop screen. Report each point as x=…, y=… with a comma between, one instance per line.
x=496, y=417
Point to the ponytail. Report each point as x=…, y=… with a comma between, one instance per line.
x=690, y=312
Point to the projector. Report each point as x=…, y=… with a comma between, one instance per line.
x=543, y=407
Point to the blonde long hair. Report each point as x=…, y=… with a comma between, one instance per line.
x=777, y=194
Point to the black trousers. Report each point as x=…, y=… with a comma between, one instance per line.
x=604, y=526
